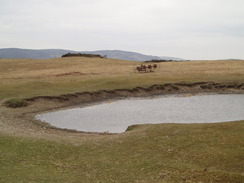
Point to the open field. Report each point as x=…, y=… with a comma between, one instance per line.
x=164, y=153
x=26, y=78
x=167, y=153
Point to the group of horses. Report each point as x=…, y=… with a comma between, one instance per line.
x=146, y=68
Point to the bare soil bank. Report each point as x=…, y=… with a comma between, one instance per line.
x=163, y=89
x=20, y=121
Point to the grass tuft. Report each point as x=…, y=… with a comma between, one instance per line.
x=131, y=127
x=15, y=103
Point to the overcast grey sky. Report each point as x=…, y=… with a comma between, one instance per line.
x=190, y=29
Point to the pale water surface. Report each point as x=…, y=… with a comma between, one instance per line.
x=116, y=116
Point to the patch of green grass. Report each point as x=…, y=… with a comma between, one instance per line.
x=15, y=103
x=148, y=153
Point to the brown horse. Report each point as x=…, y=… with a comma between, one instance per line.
x=144, y=68
x=141, y=68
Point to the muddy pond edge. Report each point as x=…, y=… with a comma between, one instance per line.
x=92, y=98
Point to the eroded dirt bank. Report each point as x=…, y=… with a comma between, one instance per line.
x=163, y=89
x=20, y=121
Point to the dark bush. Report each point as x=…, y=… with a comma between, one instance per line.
x=158, y=61
x=81, y=55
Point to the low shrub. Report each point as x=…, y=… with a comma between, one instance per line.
x=82, y=55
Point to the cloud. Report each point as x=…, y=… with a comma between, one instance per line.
x=160, y=27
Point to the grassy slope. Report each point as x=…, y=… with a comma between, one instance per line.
x=149, y=153
x=26, y=78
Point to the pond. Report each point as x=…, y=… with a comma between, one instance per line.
x=116, y=116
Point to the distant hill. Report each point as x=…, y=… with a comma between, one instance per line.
x=234, y=59
x=124, y=55
x=54, y=53
x=171, y=58
x=33, y=54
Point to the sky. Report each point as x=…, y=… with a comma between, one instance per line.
x=188, y=29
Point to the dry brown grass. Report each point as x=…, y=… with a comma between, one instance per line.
x=27, y=77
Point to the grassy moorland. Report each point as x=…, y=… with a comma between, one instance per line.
x=151, y=153
x=163, y=153
x=26, y=78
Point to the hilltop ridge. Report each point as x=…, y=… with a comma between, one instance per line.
x=55, y=53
